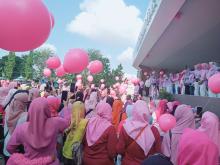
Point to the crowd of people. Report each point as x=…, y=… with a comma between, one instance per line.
x=91, y=127
x=190, y=81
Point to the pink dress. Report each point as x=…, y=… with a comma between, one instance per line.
x=18, y=137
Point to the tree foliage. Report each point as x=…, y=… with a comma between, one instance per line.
x=10, y=65
x=31, y=66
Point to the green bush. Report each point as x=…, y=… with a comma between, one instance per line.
x=165, y=95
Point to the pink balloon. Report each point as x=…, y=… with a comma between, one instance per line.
x=25, y=24
x=90, y=78
x=75, y=61
x=167, y=122
x=60, y=72
x=102, y=80
x=214, y=83
x=135, y=80
x=122, y=89
x=53, y=62
x=95, y=67
x=52, y=20
x=117, y=85
x=79, y=77
x=116, y=78
x=102, y=86
x=60, y=81
x=161, y=72
x=47, y=72
x=93, y=86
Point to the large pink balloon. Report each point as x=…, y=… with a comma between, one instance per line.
x=25, y=24
x=90, y=78
x=95, y=67
x=53, y=62
x=167, y=122
x=47, y=72
x=60, y=72
x=75, y=61
x=214, y=83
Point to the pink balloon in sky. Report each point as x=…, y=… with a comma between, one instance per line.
x=60, y=72
x=95, y=67
x=102, y=86
x=214, y=83
x=47, y=72
x=79, y=77
x=90, y=78
x=75, y=61
x=25, y=24
x=167, y=122
x=53, y=62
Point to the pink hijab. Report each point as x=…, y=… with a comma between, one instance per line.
x=140, y=119
x=3, y=93
x=34, y=93
x=195, y=148
x=99, y=123
x=184, y=119
x=161, y=108
x=210, y=126
x=39, y=130
x=16, y=109
x=54, y=104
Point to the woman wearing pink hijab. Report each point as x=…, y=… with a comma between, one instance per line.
x=184, y=119
x=54, y=104
x=196, y=148
x=210, y=126
x=137, y=139
x=34, y=93
x=38, y=136
x=100, y=139
x=16, y=114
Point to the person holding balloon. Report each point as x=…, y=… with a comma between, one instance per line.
x=184, y=119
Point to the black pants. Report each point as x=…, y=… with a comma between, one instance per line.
x=147, y=89
x=187, y=89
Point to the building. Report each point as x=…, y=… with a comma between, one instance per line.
x=177, y=34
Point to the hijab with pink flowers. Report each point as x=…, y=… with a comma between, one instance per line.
x=210, y=126
x=196, y=148
x=140, y=119
x=99, y=123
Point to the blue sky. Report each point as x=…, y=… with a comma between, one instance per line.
x=112, y=26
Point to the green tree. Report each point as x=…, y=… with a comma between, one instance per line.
x=18, y=68
x=28, y=66
x=39, y=58
x=118, y=72
x=9, y=65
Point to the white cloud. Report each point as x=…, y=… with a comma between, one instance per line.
x=126, y=56
x=107, y=21
x=48, y=46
